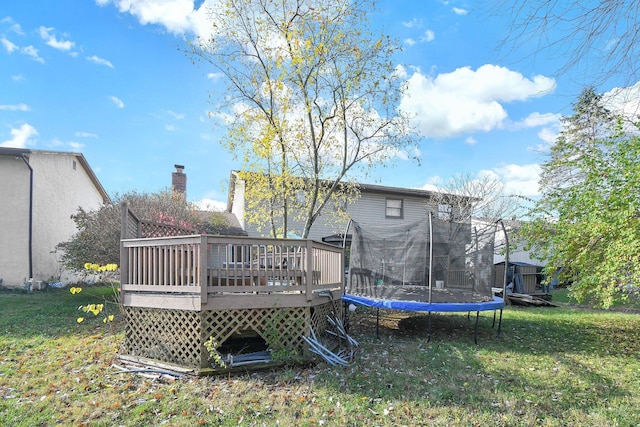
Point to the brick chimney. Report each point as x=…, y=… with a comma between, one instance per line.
x=179, y=181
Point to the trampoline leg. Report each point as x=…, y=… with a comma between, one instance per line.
x=377, y=322
x=429, y=327
x=468, y=315
x=475, y=331
x=494, y=319
x=345, y=310
x=499, y=325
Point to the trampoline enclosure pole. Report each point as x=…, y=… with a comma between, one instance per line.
x=430, y=252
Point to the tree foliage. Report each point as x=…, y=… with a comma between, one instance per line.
x=311, y=101
x=600, y=36
x=588, y=219
x=97, y=239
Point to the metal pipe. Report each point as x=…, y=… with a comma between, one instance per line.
x=506, y=261
x=26, y=162
x=430, y=255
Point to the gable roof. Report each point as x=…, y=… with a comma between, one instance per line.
x=364, y=188
x=24, y=152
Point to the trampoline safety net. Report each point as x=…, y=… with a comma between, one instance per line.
x=431, y=260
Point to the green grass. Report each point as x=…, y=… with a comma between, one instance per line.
x=563, y=296
x=563, y=366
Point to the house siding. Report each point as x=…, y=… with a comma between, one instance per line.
x=59, y=189
x=66, y=189
x=369, y=208
x=14, y=220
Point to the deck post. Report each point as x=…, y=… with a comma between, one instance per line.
x=309, y=270
x=202, y=265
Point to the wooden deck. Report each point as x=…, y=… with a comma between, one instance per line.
x=204, y=272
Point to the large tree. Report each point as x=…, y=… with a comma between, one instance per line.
x=311, y=101
x=98, y=237
x=600, y=37
x=587, y=222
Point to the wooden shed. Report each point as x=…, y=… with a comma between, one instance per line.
x=527, y=276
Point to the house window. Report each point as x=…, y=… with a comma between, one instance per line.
x=394, y=208
x=444, y=212
x=74, y=165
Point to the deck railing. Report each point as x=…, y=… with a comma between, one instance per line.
x=201, y=272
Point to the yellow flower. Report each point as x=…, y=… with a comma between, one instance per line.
x=80, y=319
x=87, y=266
x=109, y=318
x=95, y=267
x=75, y=290
x=96, y=308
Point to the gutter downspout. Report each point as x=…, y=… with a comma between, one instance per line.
x=26, y=162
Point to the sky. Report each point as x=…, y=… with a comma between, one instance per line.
x=110, y=79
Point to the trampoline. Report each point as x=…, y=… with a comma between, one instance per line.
x=444, y=307
x=431, y=265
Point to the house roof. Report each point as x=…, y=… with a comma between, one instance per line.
x=364, y=188
x=371, y=188
x=20, y=152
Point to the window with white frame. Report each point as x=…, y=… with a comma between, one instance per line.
x=394, y=208
x=444, y=211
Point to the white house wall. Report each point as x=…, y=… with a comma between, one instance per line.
x=61, y=185
x=14, y=220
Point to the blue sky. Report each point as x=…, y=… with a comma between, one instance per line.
x=110, y=79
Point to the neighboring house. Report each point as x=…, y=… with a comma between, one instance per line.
x=517, y=253
x=377, y=205
x=39, y=192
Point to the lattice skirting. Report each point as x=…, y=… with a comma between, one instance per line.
x=178, y=336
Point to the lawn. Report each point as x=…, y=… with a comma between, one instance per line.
x=563, y=366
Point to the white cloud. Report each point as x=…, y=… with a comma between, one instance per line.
x=100, y=61
x=401, y=72
x=15, y=107
x=470, y=141
x=32, y=52
x=117, y=102
x=549, y=135
x=52, y=41
x=409, y=42
x=21, y=137
x=464, y=101
x=460, y=11
x=177, y=16
x=428, y=36
x=536, y=119
x=177, y=116
x=18, y=78
x=85, y=135
x=11, y=47
x=625, y=101
x=434, y=183
x=76, y=145
x=59, y=144
x=8, y=45
x=169, y=127
x=13, y=26
x=214, y=76
x=415, y=22
x=519, y=179
x=211, y=205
